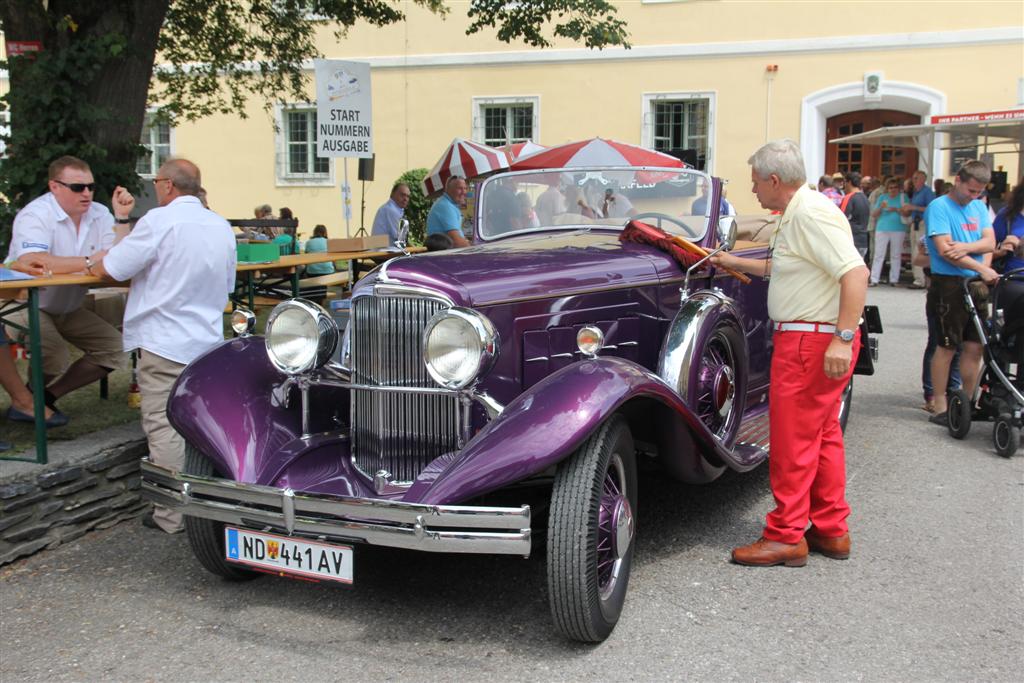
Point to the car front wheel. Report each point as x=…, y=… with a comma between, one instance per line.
x=206, y=536
x=590, y=533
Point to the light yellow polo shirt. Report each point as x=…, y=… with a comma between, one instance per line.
x=812, y=248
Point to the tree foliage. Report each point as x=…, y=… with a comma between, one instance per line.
x=419, y=205
x=86, y=92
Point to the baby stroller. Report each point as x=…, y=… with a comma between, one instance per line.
x=1000, y=394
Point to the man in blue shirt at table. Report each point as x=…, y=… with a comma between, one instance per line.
x=920, y=198
x=960, y=240
x=446, y=214
x=389, y=216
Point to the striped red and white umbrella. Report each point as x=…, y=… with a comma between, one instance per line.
x=595, y=152
x=466, y=159
x=522, y=149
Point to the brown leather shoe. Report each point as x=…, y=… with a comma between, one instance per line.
x=836, y=547
x=765, y=553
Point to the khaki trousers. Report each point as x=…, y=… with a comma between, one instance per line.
x=81, y=328
x=166, y=447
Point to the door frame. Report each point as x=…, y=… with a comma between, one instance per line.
x=817, y=107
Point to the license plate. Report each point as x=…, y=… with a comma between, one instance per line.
x=288, y=555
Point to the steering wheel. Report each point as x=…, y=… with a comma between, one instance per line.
x=669, y=219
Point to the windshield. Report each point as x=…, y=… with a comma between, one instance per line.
x=675, y=200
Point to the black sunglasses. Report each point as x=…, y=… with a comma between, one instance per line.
x=77, y=187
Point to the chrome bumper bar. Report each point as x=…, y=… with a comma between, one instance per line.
x=433, y=528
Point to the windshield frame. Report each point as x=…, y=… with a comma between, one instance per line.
x=485, y=188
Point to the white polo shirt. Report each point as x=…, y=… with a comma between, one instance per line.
x=42, y=226
x=181, y=261
x=812, y=249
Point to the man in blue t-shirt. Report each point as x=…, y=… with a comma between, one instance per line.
x=920, y=198
x=446, y=214
x=959, y=246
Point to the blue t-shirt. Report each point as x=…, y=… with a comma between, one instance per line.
x=444, y=216
x=1002, y=227
x=922, y=197
x=889, y=221
x=318, y=245
x=962, y=223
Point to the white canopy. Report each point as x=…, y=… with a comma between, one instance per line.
x=996, y=128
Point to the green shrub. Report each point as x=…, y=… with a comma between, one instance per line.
x=419, y=204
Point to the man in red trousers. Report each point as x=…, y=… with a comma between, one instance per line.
x=815, y=298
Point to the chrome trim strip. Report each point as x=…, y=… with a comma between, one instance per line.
x=431, y=528
x=542, y=297
x=396, y=288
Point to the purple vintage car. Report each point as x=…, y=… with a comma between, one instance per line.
x=479, y=396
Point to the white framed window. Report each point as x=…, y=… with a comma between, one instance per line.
x=297, y=162
x=681, y=124
x=158, y=139
x=501, y=121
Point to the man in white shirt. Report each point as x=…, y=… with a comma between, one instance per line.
x=63, y=231
x=181, y=260
x=616, y=205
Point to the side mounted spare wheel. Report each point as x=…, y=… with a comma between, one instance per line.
x=704, y=358
x=206, y=536
x=590, y=533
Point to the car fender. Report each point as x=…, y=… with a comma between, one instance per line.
x=224, y=404
x=546, y=424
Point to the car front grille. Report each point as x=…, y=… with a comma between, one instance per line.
x=396, y=431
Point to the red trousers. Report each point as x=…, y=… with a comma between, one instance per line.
x=807, y=467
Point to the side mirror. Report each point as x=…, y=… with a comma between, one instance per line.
x=727, y=232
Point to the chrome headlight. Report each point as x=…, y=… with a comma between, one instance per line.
x=459, y=345
x=301, y=336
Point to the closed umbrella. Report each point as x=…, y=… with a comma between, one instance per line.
x=466, y=159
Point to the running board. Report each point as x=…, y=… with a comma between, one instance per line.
x=754, y=437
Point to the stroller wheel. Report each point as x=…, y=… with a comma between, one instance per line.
x=958, y=414
x=1006, y=436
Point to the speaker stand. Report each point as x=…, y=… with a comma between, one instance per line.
x=361, y=232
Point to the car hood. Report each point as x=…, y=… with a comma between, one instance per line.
x=531, y=266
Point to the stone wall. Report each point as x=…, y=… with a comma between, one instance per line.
x=56, y=503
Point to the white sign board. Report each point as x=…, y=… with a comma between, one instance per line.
x=344, y=126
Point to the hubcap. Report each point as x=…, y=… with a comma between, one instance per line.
x=614, y=527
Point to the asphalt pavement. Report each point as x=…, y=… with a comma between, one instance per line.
x=932, y=592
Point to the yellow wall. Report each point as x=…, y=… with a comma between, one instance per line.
x=418, y=109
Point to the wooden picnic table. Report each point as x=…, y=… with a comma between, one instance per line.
x=29, y=290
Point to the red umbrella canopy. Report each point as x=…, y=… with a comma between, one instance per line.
x=466, y=159
x=595, y=152
x=518, y=150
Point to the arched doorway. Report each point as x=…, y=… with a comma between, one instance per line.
x=872, y=160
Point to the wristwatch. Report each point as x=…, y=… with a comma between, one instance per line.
x=845, y=335
x=123, y=221
x=89, y=264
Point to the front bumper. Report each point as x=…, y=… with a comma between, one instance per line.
x=432, y=528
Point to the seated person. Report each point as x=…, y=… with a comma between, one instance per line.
x=616, y=205
x=318, y=245
x=525, y=215
x=577, y=204
x=65, y=231
x=284, y=239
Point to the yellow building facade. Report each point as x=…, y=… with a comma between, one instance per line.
x=708, y=80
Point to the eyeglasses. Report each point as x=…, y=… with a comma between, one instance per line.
x=77, y=188
x=158, y=179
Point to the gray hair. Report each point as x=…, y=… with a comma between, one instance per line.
x=781, y=158
x=184, y=175
x=976, y=170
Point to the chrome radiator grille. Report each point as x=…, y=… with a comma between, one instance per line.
x=396, y=431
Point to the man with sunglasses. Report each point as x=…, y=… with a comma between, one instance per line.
x=64, y=231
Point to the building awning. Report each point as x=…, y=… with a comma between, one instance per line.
x=998, y=127
x=995, y=128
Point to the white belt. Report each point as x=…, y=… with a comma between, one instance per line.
x=805, y=327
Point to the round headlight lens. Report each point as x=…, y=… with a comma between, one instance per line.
x=458, y=346
x=300, y=336
x=243, y=321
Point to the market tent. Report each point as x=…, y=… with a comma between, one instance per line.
x=466, y=159
x=595, y=152
x=995, y=129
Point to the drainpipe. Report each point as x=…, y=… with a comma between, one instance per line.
x=769, y=73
